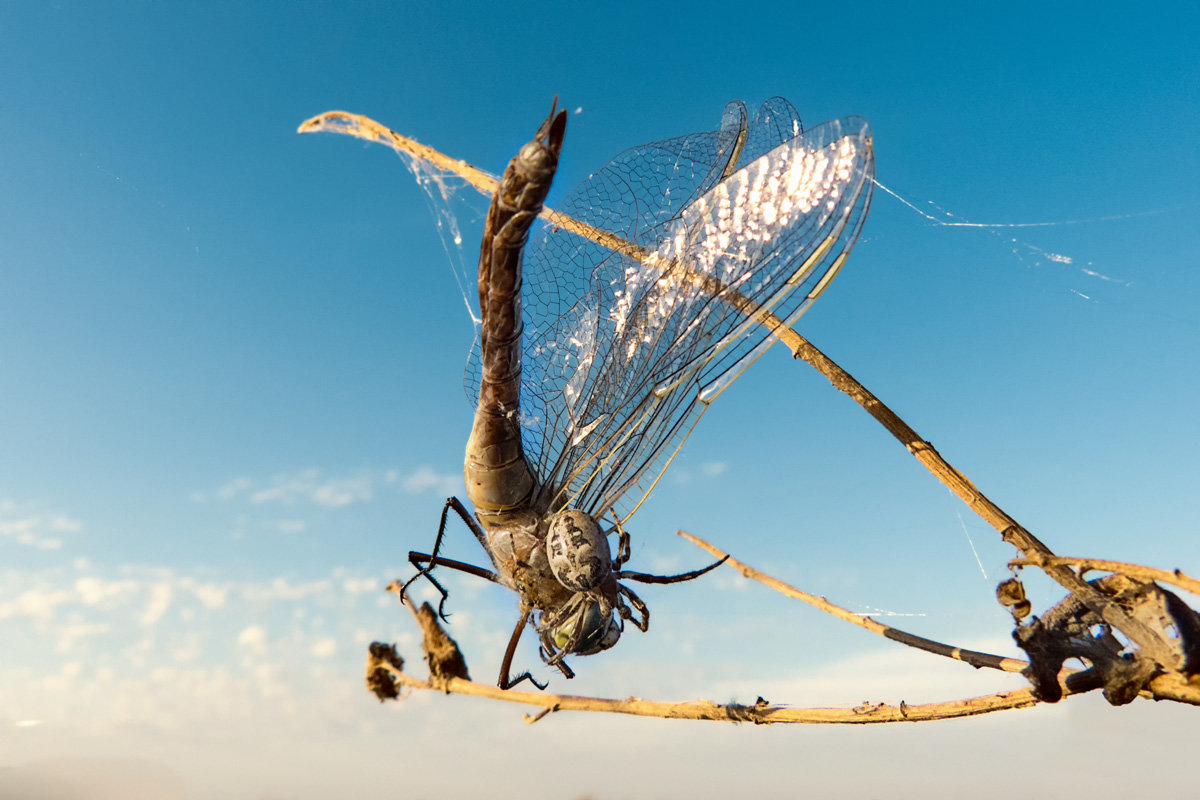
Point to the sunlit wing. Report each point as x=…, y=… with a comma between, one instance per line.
x=631, y=197
x=623, y=352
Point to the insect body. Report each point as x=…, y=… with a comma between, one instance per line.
x=670, y=271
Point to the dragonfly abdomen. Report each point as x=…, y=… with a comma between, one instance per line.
x=498, y=476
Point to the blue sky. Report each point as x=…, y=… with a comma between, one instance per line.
x=232, y=399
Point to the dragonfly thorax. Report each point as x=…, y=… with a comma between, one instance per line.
x=578, y=551
x=562, y=566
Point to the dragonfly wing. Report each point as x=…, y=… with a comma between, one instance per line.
x=775, y=122
x=631, y=196
x=625, y=350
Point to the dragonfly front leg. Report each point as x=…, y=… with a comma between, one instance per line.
x=505, y=682
x=416, y=559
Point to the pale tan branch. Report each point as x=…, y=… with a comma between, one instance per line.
x=761, y=713
x=1174, y=577
x=1174, y=686
x=972, y=657
x=955, y=481
x=365, y=128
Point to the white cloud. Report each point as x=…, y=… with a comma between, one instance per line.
x=264, y=648
x=157, y=605
x=271, y=682
x=286, y=489
x=291, y=526
x=254, y=637
x=710, y=469
x=298, y=706
x=187, y=652
x=233, y=488
x=94, y=591
x=283, y=589
x=38, y=604
x=63, y=680
x=334, y=494
x=65, y=524
x=426, y=479
x=309, y=486
x=894, y=674
x=324, y=647
x=360, y=585
x=36, y=530
x=211, y=595
x=68, y=635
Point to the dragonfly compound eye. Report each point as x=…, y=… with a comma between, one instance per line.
x=578, y=551
x=600, y=631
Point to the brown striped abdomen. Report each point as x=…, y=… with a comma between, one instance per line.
x=498, y=477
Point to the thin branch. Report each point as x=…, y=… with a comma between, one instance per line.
x=760, y=713
x=955, y=481
x=367, y=129
x=1167, y=686
x=1174, y=577
x=972, y=657
x=1174, y=686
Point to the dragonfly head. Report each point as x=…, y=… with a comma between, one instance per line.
x=598, y=631
x=582, y=563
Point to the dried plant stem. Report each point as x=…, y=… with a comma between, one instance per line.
x=1174, y=686
x=1168, y=686
x=955, y=481
x=441, y=652
x=369, y=130
x=365, y=128
x=972, y=657
x=760, y=714
x=1174, y=577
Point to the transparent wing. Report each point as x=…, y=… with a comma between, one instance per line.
x=637, y=191
x=737, y=232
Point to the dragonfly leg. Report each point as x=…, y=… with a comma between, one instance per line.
x=642, y=624
x=643, y=577
x=505, y=682
x=554, y=658
x=623, y=549
x=416, y=558
x=433, y=560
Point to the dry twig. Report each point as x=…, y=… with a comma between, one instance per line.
x=383, y=659
x=1174, y=577
x=972, y=657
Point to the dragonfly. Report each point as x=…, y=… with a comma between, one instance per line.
x=608, y=328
